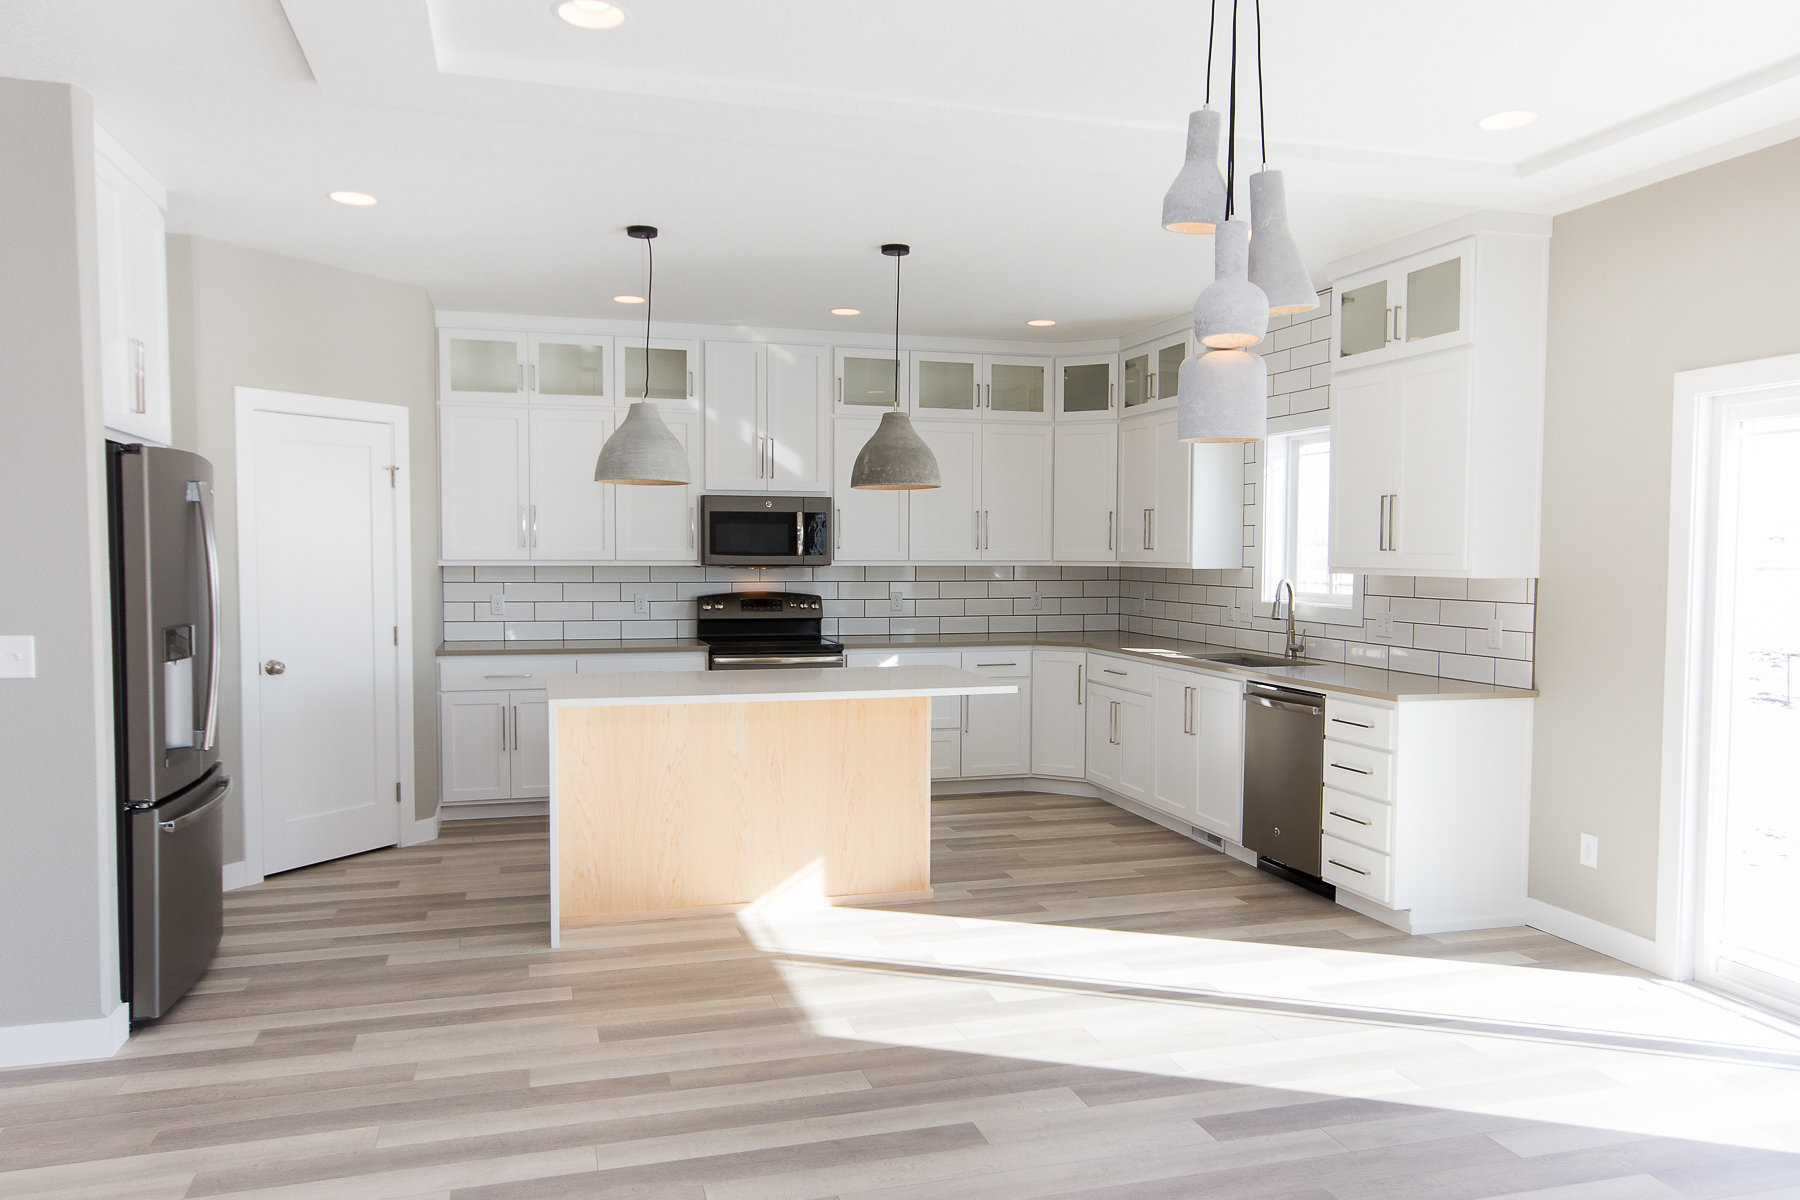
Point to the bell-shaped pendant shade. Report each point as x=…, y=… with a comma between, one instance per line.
x=642, y=450
x=895, y=459
x=1275, y=263
x=1232, y=312
x=1195, y=202
x=1224, y=397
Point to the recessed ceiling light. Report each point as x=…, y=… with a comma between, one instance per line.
x=1041, y=323
x=628, y=299
x=846, y=312
x=591, y=14
x=1512, y=118
x=354, y=199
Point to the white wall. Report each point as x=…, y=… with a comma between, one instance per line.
x=1691, y=272
x=247, y=318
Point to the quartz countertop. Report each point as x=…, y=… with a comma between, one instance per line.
x=612, y=646
x=627, y=688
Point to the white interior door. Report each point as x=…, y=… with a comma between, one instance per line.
x=321, y=533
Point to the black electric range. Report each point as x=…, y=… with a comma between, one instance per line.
x=760, y=630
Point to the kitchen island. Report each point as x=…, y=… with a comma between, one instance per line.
x=682, y=791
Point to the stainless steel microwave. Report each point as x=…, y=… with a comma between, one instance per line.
x=765, y=531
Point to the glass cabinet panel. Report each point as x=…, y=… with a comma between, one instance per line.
x=1016, y=388
x=1433, y=301
x=946, y=385
x=485, y=365
x=1363, y=319
x=669, y=374
x=1168, y=369
x=568, y=369
x=1087, y=387
x=1137, y=380
x=868, y=382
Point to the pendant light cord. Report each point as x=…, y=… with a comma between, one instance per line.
x=1262, y=120
x=897, y=259
x=649, y=303
x=1212, y=26
x=1231, y=121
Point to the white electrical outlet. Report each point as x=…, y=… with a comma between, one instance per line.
x=894, y=600
x=1590, y=850
x=640, y=604
x=1037, y=602
x=497, y=604
x=1496, y=635
x=1384, y=624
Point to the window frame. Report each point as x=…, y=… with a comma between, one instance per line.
x=1278, y=521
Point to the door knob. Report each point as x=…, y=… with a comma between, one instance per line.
x=274, y=667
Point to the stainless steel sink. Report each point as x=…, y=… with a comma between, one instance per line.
x=1249, y=660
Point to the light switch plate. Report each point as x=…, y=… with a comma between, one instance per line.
x=18, y=657
x=1590, y=850
x=1496, y=637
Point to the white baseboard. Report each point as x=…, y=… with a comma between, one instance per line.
x=64, y=1041
x=237, y=875
x=481, y=810
x=1633, y=948
x=424, y=829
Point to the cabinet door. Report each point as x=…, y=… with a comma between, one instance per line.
x=1219, y=720
x=657, y=524
x=530, y=745
x=795, y=419
x=1435, y=298
x=1134, y=387
x=946, y=385
x=571, y=516
x=476, y=744
x=1138, y=460
x=1085, y=388
x=1136, y=747
x=1365, y=446
x=1165, y=369
x=1017, y=464
x=474, y=365
x=1365, y=316
x=1059, y=713
x=1175, y=781
x=118, y=358
x=1102, y=748
x=147, y=311
x=1171, y=506
x=1015, y=388
x=484, y=465
x=997, y=729
x=946, y=753
x=737, y=450
x=672, y=362
x=571, y=369
x=1084, y=522
x=946, y=520
x=868, y=526
x=1426, y=517
x=866, y=379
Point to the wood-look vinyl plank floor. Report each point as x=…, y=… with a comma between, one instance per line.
x=1092, y=1007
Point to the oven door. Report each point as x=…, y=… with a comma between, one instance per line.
x=765, y=531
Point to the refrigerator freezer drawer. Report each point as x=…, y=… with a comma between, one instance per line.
x=177, y=896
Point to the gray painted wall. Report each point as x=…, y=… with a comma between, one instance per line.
x=1692, y=272
x=247, y=318
x=56, y=760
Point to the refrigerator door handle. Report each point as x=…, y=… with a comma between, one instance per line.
x=201, y=493
x=189, y=817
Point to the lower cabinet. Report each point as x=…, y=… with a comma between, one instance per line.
x=972, y=737
x=1199, y=759
x=1119, y=741
x=1059, y=712
x=496, y=745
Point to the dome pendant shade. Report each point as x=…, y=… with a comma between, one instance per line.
x=1195, y=202
x=642, y=450
x=1275, y=263
x=895, y=459
x=1232, y=312
x=1224, y=397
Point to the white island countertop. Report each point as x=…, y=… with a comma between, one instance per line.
x=749, y=687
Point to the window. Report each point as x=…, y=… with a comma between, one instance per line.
x=1297, y=522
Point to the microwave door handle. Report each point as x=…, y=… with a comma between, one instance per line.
x=799, y=534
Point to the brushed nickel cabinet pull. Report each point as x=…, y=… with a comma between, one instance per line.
x=1354, y=724
x=1334, y=862
x=1351, y=819
x=1353, y=770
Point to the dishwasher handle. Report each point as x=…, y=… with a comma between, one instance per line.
x=1286, y=701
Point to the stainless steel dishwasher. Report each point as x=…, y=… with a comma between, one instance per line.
x=1284, y=759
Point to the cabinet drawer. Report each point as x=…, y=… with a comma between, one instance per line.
x=1002, y=664
x=1357, y=869
x=1359, y=769
x=1358, y=819
x=674, y=660
x=1123, y=673
x=511, y=673
x=1363, y=724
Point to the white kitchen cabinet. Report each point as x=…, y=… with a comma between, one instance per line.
x=484, y=480
x=1151, y=373
x=1086, y=387
x=946, y=521
x=1015, y=388
x=989, y=386
x=946, y=753
x=996, y=496
x=1198, y=732
x=1119, y=741
x=868, y=526
x=673, y=371
x=570, y=516
x=496, y=745
x=1085, y=506
x=946, y=385
x=131, y=255
x=996, y=732
x=660, y=524
x=1059, y=713
x=482, y=366
x=570, y=368
x=1180, y=503
x=1175, y=777
x=865, y=379
x=765, y=418
x=1412, y=305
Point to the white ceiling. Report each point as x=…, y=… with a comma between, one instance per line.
x=1021, y=146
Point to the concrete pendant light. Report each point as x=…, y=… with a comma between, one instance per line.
x=1224, y=397
x=1232, y=312
x=896, y=458
x=1275, y=263
x=642, y=450
x=1195, y=202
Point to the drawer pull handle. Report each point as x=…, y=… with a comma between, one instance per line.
x=1353, y=724
x=1348, y=817
x=1352, y=770
x=1334, y=862
x=996, y=664
x=1110, y=671
x=527, y=676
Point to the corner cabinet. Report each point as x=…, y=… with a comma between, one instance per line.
x=130, y=250
x=1437, y=431
x=1181, y=504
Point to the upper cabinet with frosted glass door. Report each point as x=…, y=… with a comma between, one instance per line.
x=981, y=385
x=573, y=369
x=1087, y=387
x=1016, y=388
x=1151, y=373
x=864, y=380
x=1413, y=305
x=674, y=366
x=482, y=366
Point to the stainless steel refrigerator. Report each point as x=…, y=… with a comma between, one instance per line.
x=171, y=785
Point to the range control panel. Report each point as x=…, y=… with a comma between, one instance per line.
x=759, y=604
